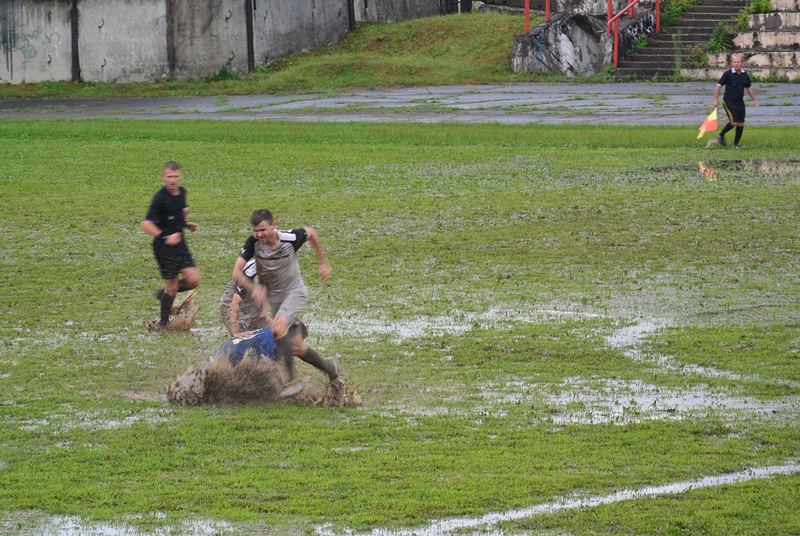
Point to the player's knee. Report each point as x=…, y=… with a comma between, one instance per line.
x=299, y=347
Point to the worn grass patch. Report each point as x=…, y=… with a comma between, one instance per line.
x=531, y=313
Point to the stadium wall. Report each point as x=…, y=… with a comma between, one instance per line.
x=149, y=40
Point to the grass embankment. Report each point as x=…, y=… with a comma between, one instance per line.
x=453, y=49
x=481, y=275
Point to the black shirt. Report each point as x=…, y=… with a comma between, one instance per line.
x=168, y=211
x=735, y=84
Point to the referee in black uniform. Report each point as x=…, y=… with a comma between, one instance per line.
x=735, y=81
x=165, y=222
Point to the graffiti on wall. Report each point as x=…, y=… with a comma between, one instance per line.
x=24, y=42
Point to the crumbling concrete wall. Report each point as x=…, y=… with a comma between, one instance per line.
x=35, y=40
x=576, y=44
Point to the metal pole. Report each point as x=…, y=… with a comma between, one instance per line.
x=658, y=16
x=527, y=16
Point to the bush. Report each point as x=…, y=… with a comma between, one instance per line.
x=698, y=56
x=721, y=39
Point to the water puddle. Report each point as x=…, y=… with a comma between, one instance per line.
x=711, y=169
x=621, y=402
x=75, y=526
x=92, y=420
x=486, y=522
x=432, y=325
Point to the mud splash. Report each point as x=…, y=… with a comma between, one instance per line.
x=486, y=523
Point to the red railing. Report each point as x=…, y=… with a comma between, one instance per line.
x=528, y=14
x=614, y=20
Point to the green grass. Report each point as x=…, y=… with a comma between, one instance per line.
x=451, y=246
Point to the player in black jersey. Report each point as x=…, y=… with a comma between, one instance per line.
x=735, y=81
x=282, y=291
x=165, y=222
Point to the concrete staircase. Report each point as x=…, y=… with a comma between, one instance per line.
x=770, y=47
x=659, y=57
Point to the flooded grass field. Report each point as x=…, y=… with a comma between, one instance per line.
x=554, y=330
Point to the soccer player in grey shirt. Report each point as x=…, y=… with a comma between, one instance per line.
x=281, y=289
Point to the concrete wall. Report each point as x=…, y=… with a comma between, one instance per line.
x=35, y=40
x=209, y=35
x=147, y=40
x=388, y=11
x=123, y=40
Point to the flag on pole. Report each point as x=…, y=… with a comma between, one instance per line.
x=709, y=125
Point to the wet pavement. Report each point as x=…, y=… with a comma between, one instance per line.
x=562, y=103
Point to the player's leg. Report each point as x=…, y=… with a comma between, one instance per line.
x=191, y=279
x=740, y=114
x=729, y=126
x=168, y=266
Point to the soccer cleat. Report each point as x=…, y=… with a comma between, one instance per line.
x=736, y=146
x=290, y=389
x=721, y=140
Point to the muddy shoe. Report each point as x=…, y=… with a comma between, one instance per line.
x=290, y=389
x=337, y=388
x=335, y=367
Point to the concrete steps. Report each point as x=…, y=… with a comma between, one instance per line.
x=660, y=57
x=770, y=47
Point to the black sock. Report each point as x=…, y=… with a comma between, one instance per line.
x=727, y=128
x=182, y=286
x=166, y=308
x=314, y=359
x=738, y=136
x=286, y=353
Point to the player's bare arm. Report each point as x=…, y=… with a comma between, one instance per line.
x=324, y=268
x=753, y=96
x=236, y=303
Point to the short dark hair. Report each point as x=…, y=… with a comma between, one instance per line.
x=261, y=215
x=171, y=166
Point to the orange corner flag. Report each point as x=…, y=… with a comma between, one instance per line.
x=710, y=124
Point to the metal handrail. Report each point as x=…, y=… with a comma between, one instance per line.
x=615, y=21
x=528, y=14
x=611, y=20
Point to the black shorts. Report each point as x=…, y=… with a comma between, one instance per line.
x=735, y=110
x=172, y=259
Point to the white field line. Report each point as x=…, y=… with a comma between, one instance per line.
x=487, y=521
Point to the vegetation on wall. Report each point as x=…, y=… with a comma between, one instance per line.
x=673, y=10
x=757, y=6
x=721, y=39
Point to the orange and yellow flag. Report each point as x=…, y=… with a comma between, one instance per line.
x=709, y=125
